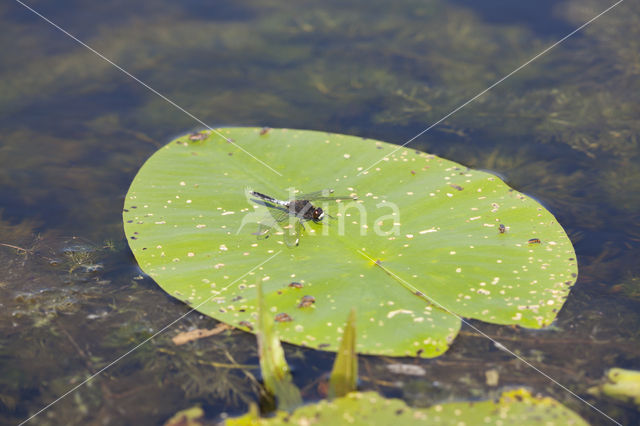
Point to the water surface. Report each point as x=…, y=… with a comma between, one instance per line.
x=74, y=131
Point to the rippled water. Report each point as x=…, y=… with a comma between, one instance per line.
x=74, y=131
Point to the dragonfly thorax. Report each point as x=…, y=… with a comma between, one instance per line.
x=305, y=210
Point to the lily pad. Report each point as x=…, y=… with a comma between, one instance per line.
x=421, y=247
x=369, y=408
x=620, y=384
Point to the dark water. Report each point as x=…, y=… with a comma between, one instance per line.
x=74, y=131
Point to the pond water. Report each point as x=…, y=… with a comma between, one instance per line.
x=75, y=130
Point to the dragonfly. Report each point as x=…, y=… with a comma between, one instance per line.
x=294, y=211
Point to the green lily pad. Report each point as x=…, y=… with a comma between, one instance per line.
x=420, y=246
x=369, y=408
x=620, y=384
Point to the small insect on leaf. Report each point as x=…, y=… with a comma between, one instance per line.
x=283, y=317
x=502, y=229
x=197, y=136
x=306, y=301
x=534, y=241
x=295, y=285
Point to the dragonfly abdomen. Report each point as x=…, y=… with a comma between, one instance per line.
x=268, y=198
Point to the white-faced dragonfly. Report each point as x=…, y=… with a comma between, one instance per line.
x=294, y=211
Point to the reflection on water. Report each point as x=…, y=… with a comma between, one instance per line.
x=75, y=130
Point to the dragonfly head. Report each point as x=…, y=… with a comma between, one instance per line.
x=318, y=214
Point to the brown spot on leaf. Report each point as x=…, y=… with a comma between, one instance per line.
x=306, y=301
x=197, y=136
x=283, y=317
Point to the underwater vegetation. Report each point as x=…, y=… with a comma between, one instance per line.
x=50, y=284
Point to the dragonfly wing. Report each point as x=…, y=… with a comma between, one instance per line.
x=270, y=223
x=324, y=195
x=263, y=231
x=278, y=216
x=313, y=195
x=338, y=198
x=292, y=233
